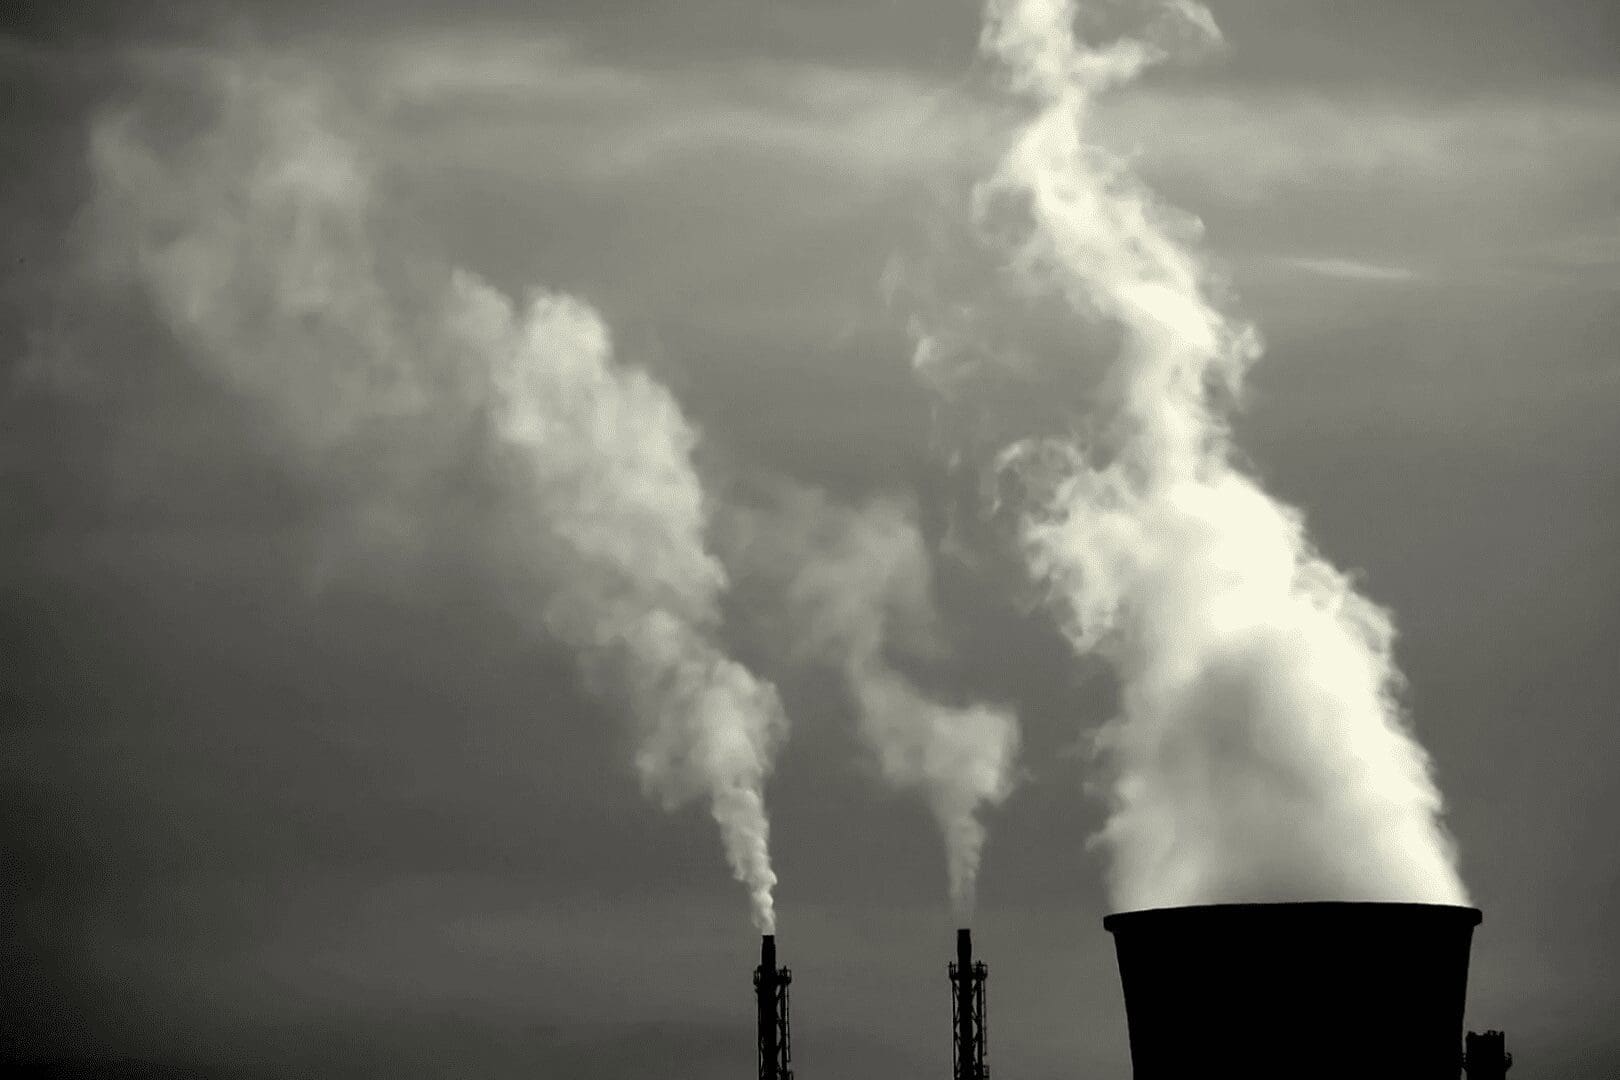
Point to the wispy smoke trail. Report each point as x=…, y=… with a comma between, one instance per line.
x=257, y=241
x=859, y=592
x=1260, y=752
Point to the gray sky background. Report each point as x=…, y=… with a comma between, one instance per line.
x=268, y=817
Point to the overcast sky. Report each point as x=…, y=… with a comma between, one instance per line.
x=278, y=803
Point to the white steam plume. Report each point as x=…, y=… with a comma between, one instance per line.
x=1260, y=752
x=860, y=588
x=258, y=243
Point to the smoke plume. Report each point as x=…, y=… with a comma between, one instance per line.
x=859, y=596
x=1259, y=751
x=258, y=240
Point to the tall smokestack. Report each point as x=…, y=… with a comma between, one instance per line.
x=771, y=995
x=1333, y=991
x=967, y=1012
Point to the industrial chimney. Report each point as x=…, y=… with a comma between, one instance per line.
x=771, y=995
x=1273, y=991
x=967, y=1012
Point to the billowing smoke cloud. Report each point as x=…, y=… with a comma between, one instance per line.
x=1259, y=752
x=258, y=239
x=859, y=596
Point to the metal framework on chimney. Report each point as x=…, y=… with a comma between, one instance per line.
x=771, y=995
x=968, y=1034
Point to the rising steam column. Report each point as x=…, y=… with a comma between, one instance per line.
x=967, y=1011
x=771, y=993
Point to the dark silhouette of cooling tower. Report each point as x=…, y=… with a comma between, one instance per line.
x=771, y=995
x=968, y=1034
x=1272, y=991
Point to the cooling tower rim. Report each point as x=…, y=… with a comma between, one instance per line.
x=1192, y=916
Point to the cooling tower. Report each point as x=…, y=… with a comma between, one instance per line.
x=1322, y=990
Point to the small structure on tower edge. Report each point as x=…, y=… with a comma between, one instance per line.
x=1485, y=1056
